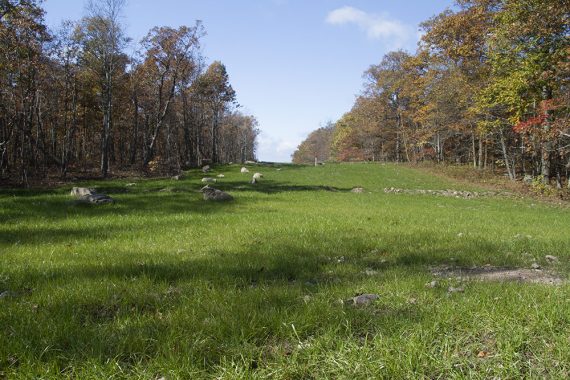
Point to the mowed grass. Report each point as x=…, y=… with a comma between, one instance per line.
x=164, y=284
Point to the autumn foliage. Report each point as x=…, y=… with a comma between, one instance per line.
x=488, y=86
x=75, y=102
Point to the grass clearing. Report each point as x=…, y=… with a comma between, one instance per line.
x=164, y=284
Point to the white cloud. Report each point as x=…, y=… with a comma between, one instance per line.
x=277, y=149
x=376, y=26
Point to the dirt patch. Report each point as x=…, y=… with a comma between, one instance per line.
x=488, y=273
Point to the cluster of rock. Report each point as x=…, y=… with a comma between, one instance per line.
x=212, y=194
x=87, y=195
x=443, y=193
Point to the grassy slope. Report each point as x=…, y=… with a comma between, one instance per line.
x=165, y=284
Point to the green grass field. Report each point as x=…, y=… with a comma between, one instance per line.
x=164, y=284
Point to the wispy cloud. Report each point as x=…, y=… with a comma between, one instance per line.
x=376, y=26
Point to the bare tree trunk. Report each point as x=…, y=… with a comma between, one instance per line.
x=547, y=146
x=481, y=157
x=405, y=141
x=186, y=126
x=438, y=147
x=545, y=162
x=474, y=151
x=162, y=112
x=106, y=124
x=67, y=144
x=506, y=156
x=398, y=141
x=215, y=132
x=135, y=129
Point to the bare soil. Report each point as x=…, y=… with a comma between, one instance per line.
x=489, y=273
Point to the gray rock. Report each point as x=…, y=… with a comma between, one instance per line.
x=362, y=300
x=451, y=289
x=206, y=168
x=211, y=194
x=551, y=259
x=535, y=266
x=370, y=272
x=209, y=180
x=357, y=190
x=432, y=284
x=85, y=195
x=82, y=191
x=7, y=294
x=97, y=199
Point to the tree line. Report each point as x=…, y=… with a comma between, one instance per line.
x=488, y=85
x=74, y=100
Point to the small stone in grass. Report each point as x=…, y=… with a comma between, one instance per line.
x=551, y=258
x=8, y=294
x=482, y=354
x=451, y=289
x=432, y=284
x=362, y=300
x=370, y=272
x=535, y=266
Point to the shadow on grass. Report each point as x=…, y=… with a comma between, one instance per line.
x=260, y=291
x=162, y=198
x=168, y=201
x=134, y=307
x=272, y=187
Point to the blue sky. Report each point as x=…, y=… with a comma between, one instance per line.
x=295, y=64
